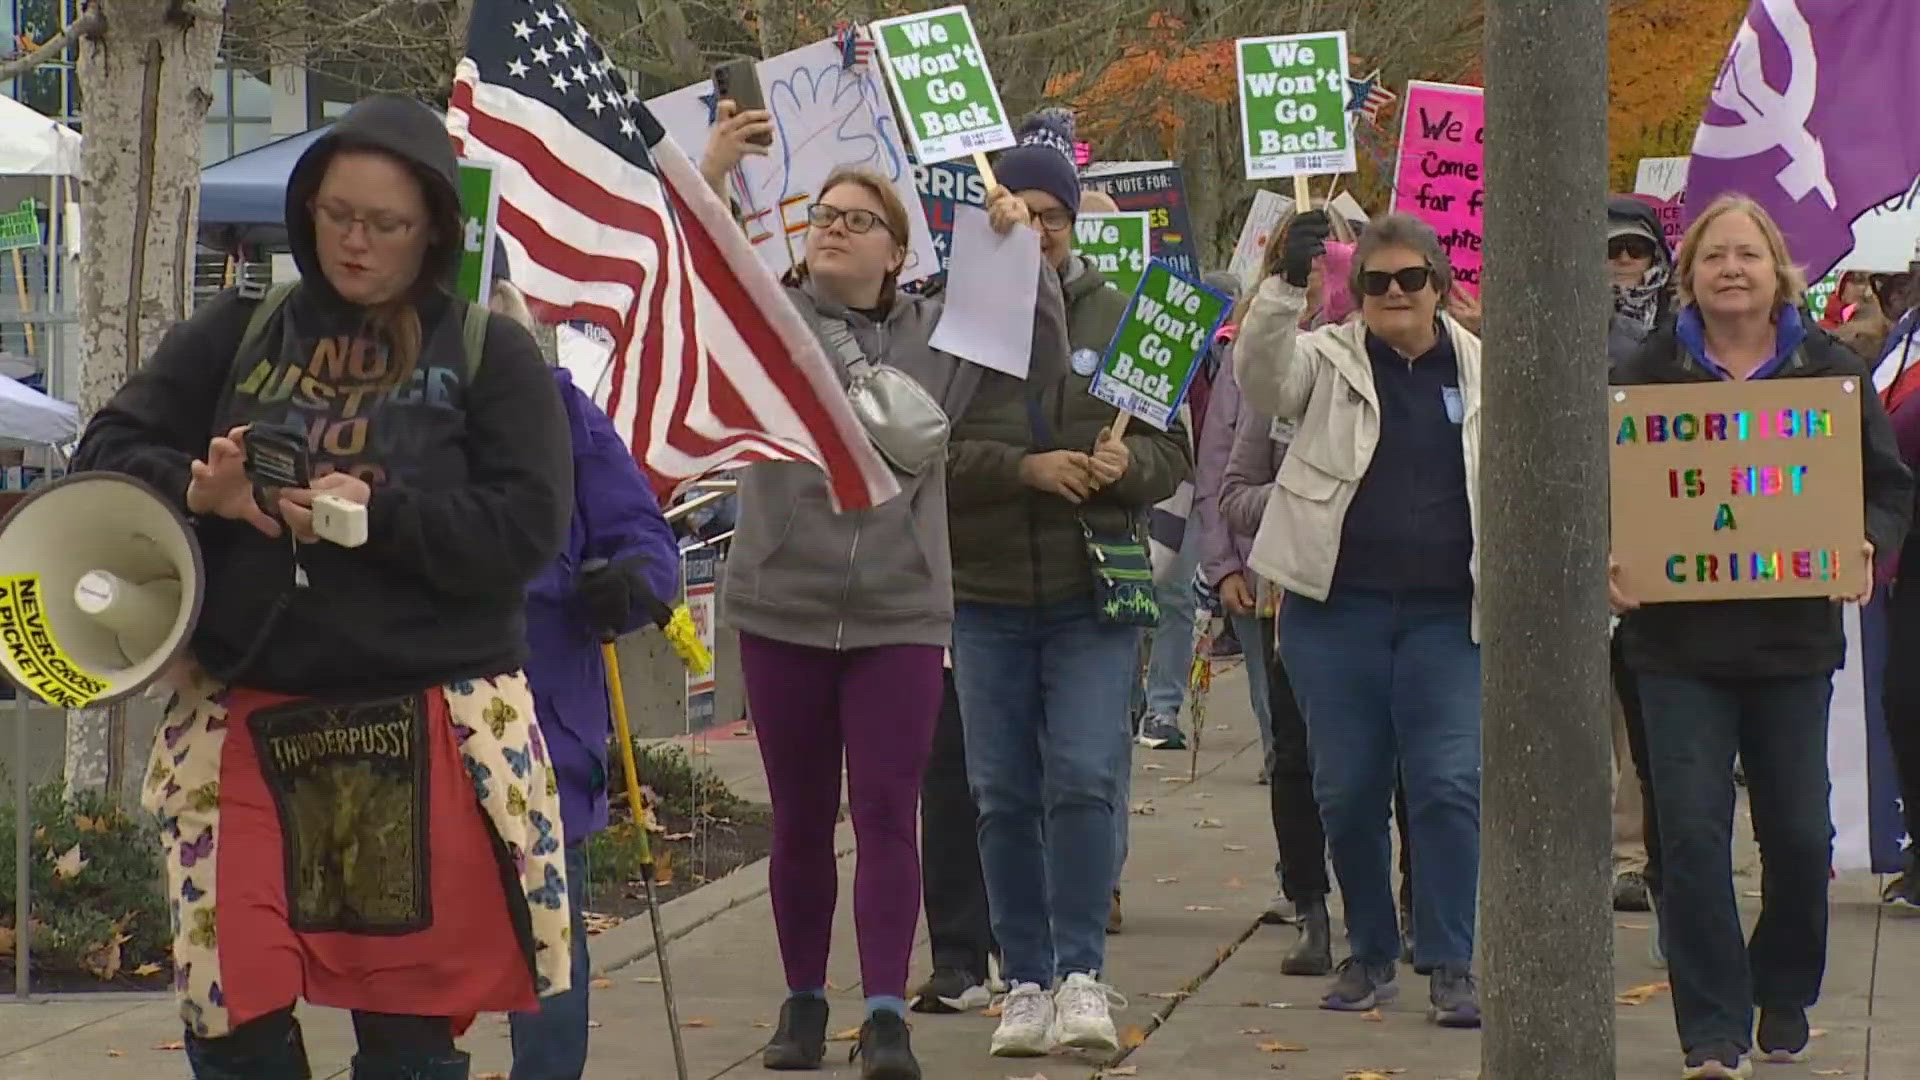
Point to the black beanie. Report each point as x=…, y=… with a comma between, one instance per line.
x=1043, y=160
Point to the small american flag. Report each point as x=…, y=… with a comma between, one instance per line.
x=1369, y=97
x=606, y=221
x=856, y=48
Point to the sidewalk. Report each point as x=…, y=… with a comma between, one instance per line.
x=1201, y=973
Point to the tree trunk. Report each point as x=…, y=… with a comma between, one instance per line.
x=144, y=75
x=1544, y=867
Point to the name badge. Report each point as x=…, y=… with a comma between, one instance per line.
x=1456, y=406
x=1282, y=431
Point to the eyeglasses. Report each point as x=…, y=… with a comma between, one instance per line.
x=379, y=226
x=1411, y=280
x=1058, y=219
x=1638, y=247
x=859, y=222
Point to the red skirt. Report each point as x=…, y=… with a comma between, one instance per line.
x=437, y=938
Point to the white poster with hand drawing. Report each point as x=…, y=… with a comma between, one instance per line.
x=825, y=115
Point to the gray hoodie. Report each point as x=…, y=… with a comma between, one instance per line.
x=802, y=574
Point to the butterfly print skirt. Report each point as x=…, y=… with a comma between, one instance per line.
x=400, y=855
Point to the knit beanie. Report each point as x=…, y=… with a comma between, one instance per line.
x=1043, y=159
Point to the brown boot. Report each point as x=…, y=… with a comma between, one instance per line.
x=1113, y=914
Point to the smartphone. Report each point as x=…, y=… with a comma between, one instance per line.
x=277, y=457
x=738, y=81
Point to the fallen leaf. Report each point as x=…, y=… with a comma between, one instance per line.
x=1156, y=881
x=1371, y=1016
x=1829, y=1072
x=1035, y=1076
x=147, y=969
x=69, y=864
x=1817, y=1033
x=170, y=1046
x=1202, y=907
x=1278, y=1005
x=678, y=836
x=1233, y=847
x=1223, y=727
x=663, y=868
x=1369, y=1074
x=647, y=979
x=1631, y=925
x=1132, y=1037
x=83, y=823
x=1281, y=1048
x=991, y=1010
x=490, y=1076
x=594, y=1024
x=104, y=961
x=762, y=1024
x=696, y=1022
x=1753, y=893
x=1153, y=767
x=1208, y=823
x=1169, y=995
x=6, y=941
x=1235, y=883
x=1173, y=779
x=1640, y=995
x=1124, y=1070
x=602, y=984
x=848, y=1035
x=1253, y=1031
x=115, y=1053
x=1144, y=809
x=1203, y=794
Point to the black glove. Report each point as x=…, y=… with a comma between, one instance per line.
x=1306, y=241
x=605, y=594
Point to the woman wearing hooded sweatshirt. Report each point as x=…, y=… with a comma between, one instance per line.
x=620, y=556
x=1640, y=267
x=844, y=619
x=1752, y=677
x=1372, y=531
x=369, y=699
x=1044, y=673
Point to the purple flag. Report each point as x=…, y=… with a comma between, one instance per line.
x=1799, y=119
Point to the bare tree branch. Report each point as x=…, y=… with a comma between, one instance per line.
x=88, y=22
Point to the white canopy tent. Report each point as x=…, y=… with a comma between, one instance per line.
x=31, y=417
x=33, y=145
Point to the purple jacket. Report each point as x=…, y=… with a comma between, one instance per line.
x=615, y=516
x=1224, y=549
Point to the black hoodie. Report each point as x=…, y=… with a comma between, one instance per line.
x=472, y=478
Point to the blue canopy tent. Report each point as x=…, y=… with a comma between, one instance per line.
x=243, y=199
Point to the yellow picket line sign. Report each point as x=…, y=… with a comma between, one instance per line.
x=34, y=656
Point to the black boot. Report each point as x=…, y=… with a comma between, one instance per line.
x=885, y=1050
x=1313, y=953
x=259, y=1054
x=411, y=1065
x=800, y=1042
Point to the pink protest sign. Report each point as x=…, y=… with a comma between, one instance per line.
x=1441, y=176
x=1669, y=211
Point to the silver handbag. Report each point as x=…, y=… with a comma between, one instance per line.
x=904, y=422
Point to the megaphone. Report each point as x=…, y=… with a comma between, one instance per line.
x=100, y=588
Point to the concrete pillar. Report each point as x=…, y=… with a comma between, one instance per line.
x=1545, y=853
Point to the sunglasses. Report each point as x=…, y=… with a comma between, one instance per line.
x=1411, y=280
x=1638, y=247
x=822, y=216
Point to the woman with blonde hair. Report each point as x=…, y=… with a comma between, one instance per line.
x=844, y=617
x=1747, y=677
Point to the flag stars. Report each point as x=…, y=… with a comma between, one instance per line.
x=562, y=46
x=628, y=128
x=560, y=81
x=545, y=20
x=542, y=57
x=580, y=76
x=517, y=69
x=521, y=30
x=595, y=104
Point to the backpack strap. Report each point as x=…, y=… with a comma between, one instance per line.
x=265, y=305
x=474, y=338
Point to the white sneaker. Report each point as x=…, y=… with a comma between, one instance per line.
x=1081, y=1019
x=1026, y=1023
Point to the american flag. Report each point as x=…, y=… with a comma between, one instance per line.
x=606, y=221
x=856, y=48
x=1369, y=97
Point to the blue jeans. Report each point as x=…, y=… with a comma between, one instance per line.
x=1247, y=631
x=1043, y=697
x=1779, y=727
x=1170, y=655
x=1392, y=681
x=551, y=1044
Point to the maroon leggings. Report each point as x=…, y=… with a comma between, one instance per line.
x=877, y=706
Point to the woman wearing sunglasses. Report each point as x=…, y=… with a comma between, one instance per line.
x=1371, y=529
x=844, y=617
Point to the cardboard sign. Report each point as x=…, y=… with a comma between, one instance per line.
x=1267, y=210
x=1118, y=245
x=1157, y=188
x=479, y=215
x=1293, y=105
x=939, y=74
x=1441, y=177
x=1738, y=490
x=20, y=228
x=1167, y=328
x=825, y=115
x=943, y=189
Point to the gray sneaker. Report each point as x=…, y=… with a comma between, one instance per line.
x=1455, y=999
x=1359, y=986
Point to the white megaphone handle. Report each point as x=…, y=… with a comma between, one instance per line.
x=141, y=616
